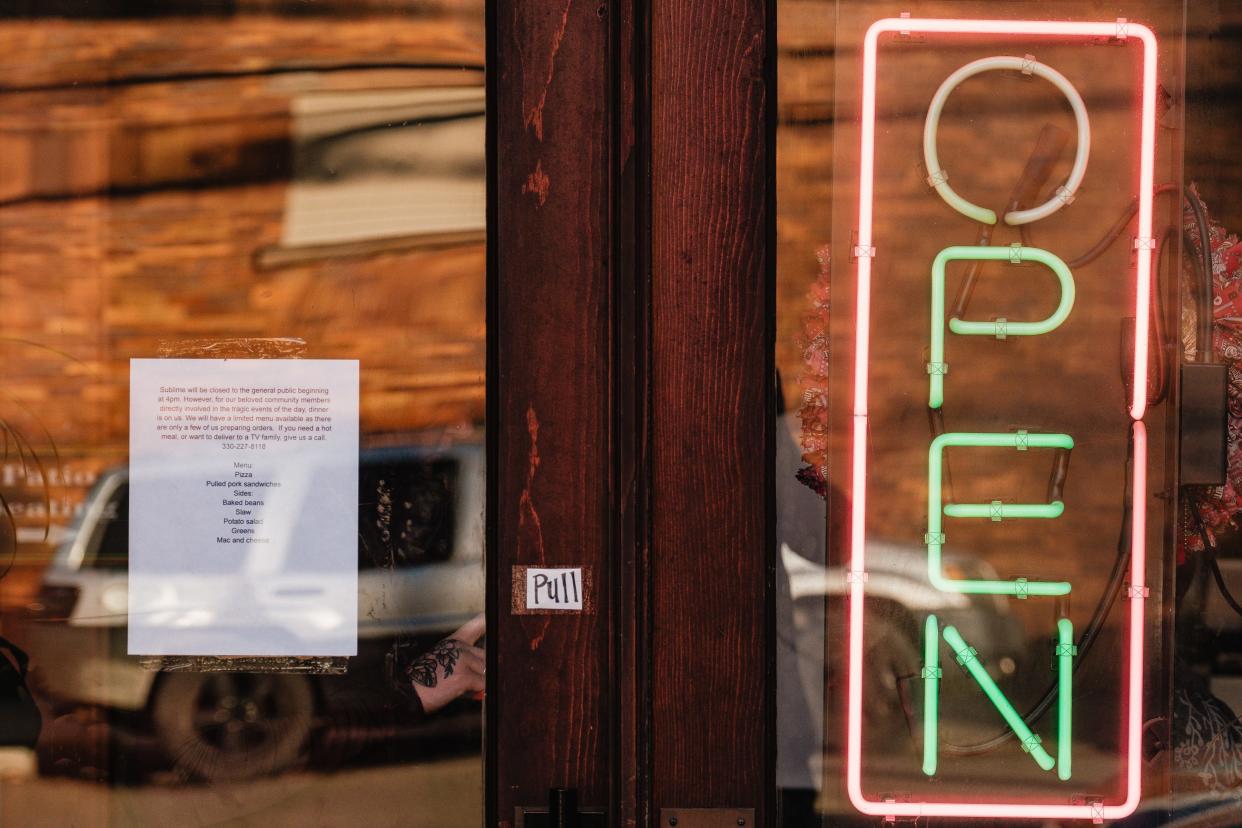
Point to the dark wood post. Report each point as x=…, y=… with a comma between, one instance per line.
x=630, y=402
x=713, y=316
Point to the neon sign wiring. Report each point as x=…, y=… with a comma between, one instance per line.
x=935, y=633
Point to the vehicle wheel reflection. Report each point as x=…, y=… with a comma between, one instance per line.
x=232, y=726
x=890, y=660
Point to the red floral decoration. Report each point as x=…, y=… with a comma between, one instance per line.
x=1219, y=508
x=814, y=382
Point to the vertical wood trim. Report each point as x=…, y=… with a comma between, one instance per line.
x=631, y=343
x=550, y=499
x=712, y=547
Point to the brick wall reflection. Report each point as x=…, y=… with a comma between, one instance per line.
x=144, y=174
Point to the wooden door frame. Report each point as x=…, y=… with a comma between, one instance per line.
x=630, y=402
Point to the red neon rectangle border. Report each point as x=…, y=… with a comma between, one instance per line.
x=1138, y=560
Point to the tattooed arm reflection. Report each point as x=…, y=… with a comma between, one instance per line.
x=451, y=669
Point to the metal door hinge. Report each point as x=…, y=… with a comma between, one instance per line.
x=707, y=818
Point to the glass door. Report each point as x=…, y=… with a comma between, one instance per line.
x=242, y=254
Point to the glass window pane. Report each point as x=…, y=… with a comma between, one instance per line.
x=988, y=602
x=263, y=180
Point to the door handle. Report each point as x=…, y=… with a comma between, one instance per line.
x=562, y=811
x=563, y=808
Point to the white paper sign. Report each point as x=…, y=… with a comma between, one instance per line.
x=554, y=589
x=243, y=507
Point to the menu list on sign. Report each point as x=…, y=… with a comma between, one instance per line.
x=243, y=507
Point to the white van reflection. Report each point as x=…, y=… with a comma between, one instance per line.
x=420, y=576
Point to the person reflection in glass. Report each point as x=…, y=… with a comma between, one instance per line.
x=453, y=668
x=800, y=531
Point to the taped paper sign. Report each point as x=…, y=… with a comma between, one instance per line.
x=243, y=507
x=542, y=590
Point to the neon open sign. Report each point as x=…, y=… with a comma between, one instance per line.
x=1052, y=753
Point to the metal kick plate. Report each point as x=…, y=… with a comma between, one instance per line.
x=538, y=818
x=707, y=818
